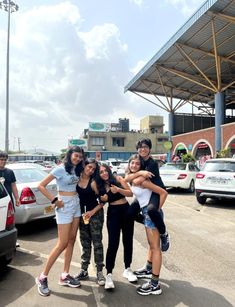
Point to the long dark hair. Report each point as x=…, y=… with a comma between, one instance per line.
x=101, y=183
x=68, y=163
x=134, y=157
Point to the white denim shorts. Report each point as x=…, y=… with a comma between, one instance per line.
x=71, y=209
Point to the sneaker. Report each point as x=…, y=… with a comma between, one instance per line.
x=82, y=275
x=128, y=274
x=109, y=282
x=148, y=288
x=165, y=242
x=100, y=278
x=69, y=281
x=143, y=273
x=42, y=286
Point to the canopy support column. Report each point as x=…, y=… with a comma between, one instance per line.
x=219, y=118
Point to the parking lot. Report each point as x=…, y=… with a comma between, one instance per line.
x=198, y=270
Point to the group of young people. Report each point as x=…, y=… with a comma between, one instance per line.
x=84, y=188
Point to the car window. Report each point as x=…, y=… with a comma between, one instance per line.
x=28, y=175
x=3, y=192
x=173, y=166
x=219, y=166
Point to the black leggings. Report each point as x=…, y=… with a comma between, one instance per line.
x=117, y=221
x=155, y=215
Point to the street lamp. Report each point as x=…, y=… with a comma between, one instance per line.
x=9, y=7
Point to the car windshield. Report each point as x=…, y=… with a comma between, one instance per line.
x=174, y=166
x=28, y=175
x=219, y=166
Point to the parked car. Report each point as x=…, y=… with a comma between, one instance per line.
x=122, y=168
x=34, y=205
x=216, y=180
x=8, y=232
x=179, y=175
x=113, y=165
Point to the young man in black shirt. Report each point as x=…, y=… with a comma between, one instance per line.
x=150, y=171
x=9, y=179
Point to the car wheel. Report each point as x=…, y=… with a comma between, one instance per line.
x=191, y=188
x=201, y=199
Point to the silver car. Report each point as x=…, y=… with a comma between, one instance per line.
x=34, y=205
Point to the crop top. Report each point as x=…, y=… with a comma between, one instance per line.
x=87, y=197
x=142, y=194
x=112, y=197
x=65, y=182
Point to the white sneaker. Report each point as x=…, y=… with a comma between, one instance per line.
x=109, y=282
x=128, y=274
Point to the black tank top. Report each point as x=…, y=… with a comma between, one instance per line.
x=112, y=197
x=87, y=197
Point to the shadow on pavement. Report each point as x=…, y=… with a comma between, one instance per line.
x=14, y=284
x=175, y=293
x=25, y=259
x=38, y=231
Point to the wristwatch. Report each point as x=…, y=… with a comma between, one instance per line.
x=54, y=200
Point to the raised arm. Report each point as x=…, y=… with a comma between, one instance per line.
x=124, y=190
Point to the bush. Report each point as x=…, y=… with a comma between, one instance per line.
x=188, y=158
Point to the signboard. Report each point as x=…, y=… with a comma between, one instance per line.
x=78, y=142
x=102, y=127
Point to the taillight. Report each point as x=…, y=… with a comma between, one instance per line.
x=10, y=215
x=182, y=176
x=200, y=176
x=27, y=196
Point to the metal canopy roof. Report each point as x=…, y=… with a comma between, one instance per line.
x=197, y=62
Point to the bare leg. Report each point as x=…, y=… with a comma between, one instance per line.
x=62, y=242
x=153, y=237
x=69, y=249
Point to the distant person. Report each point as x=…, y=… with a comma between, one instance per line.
x=92, y=223
x=9, y=179
x=143, y=193
x=68, y=212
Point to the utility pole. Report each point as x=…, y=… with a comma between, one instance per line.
x=19, y=142
x=10, y=7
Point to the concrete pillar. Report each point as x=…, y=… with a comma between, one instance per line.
x=171, y=131
x=219, y=119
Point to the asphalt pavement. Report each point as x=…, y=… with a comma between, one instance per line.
x=197, y=271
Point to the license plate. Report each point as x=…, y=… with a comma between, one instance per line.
x=219, y=181
x=48, y=210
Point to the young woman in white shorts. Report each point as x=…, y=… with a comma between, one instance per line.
x=68, y=212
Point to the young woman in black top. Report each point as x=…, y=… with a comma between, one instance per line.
x=114, y=190
x=92, y=223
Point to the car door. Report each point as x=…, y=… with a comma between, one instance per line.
x=4, y=200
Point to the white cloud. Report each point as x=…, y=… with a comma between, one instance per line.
x=61, y=77
x=187, y=7
x=138, y=67
x=137, y=2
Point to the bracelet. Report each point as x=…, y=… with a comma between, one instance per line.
x=54, y=200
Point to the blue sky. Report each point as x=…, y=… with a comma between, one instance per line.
x=70, y=61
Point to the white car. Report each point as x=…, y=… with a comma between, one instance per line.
x=179, y=175
x=216, y=180
x=122, y=168
x=113, y=165
x=8, y=232
x=34, y=205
